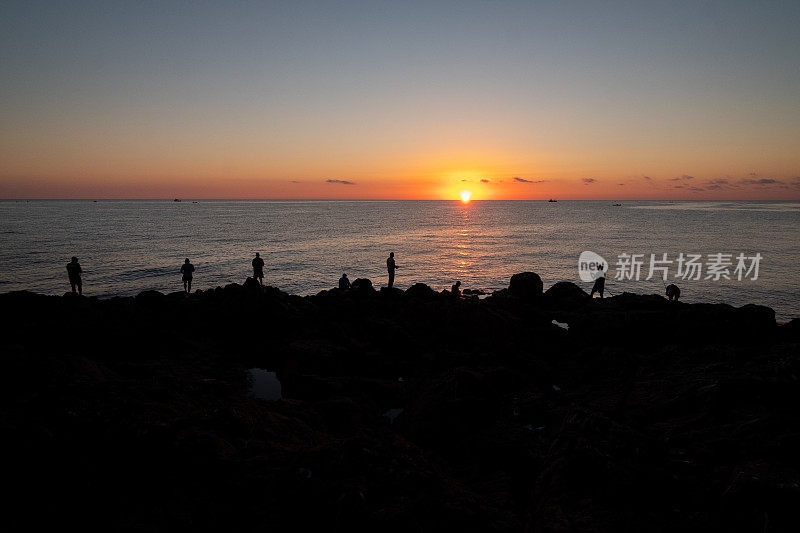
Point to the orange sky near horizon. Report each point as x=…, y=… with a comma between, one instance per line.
x=410, y=100
x=437, y=182
x=444, y=188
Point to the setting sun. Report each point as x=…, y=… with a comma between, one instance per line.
x=465, y=196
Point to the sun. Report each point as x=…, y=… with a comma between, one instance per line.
x=465, y=196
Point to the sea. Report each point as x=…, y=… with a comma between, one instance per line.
x=740, y=252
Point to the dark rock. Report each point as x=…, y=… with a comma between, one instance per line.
x=232, y=289
x=449, y=408
x=601, y=473
x=526, y=285
x=150, y=298
x=252, y=284
x=565, y=295
x=760, y=497
x=646, y=415
x=791, y=329
x=499, y=294
x=474, y=292
x=421, y=291
x=362, y=286
x=394, y=292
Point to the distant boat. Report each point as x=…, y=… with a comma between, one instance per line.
x=616, y=205
x=176, y=200
x=551, y=200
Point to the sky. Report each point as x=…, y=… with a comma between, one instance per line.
x=418, y=100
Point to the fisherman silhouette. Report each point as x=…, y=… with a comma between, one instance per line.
x=74, y=273
x=456, y=290
x=344, y=282
x=258, y=268
x=673, y=292
x=599, y=283
x=391, y=267
x=186, y=269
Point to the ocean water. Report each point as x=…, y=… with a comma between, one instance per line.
x=127, y=246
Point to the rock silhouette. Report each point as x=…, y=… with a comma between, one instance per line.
x=362, y=285
x=526, y=285
x=643, y=416
x=565, y=295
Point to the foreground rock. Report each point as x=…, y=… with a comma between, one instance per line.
x=400, y=412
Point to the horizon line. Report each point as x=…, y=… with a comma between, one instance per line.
x=172, y=199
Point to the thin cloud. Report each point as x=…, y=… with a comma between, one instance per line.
x=523, y=180
x=757, y=181
x=648, y=178
x=719, y=184
x=340, y=182
x=466, y=180
x=686, y=187
x=294, y=181
x=484, y=181
x=621, y=184
x=587, y=181
x=762, y=181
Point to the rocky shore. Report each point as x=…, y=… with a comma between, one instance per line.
x=527, y=410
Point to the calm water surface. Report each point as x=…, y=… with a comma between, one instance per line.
x=129, y=246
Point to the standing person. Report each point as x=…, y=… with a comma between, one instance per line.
x=391, y=267
x=599, y=282
x=74, y=272
x=258, y=269
x=186, y=269
x=344, y=282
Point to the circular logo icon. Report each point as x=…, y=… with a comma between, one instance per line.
x=591, y=266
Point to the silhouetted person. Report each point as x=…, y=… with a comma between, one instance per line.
x=186, y=269
x=456, y=290
x=344, y=282
x=599, y=283
x=258, y=269
x=74, y=272
x=391, y=267
x=673, y=292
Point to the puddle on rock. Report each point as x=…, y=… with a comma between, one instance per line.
x=391, y=414
x=264, y=384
